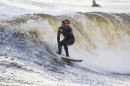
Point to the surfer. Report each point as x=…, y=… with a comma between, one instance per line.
x=69, y=39
x=95, y=4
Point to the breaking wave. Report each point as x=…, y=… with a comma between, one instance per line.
x=102, y=39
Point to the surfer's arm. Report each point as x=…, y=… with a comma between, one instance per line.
x=58, y=36
x=68, y=33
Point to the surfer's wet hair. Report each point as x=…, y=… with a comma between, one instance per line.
x=66, y=21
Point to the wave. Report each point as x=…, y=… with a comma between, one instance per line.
x=102, y=39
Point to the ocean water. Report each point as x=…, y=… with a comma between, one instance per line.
x=58, y=7
x=28, y=32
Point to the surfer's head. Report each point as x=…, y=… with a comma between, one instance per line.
x=65, y=23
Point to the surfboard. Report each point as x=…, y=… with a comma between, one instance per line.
x=72, y=60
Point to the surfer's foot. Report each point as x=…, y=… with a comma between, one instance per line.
x=58, y=53
x=67, y=55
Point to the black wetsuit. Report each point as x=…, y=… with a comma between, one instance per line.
x=68, y=39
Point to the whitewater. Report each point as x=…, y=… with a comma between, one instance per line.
x=28, y=32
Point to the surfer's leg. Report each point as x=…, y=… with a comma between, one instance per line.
x=62, y=43
x=66, y=49
x=60, y=47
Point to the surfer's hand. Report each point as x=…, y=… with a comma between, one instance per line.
x=60, y=30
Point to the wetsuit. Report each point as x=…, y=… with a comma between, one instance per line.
x=68, y=39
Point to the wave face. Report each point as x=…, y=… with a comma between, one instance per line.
x=102, y=39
